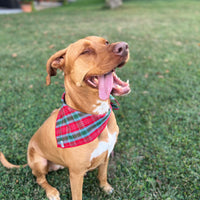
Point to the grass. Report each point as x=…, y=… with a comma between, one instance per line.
x=158, y=151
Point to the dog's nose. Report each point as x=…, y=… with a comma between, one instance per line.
x=121, y=49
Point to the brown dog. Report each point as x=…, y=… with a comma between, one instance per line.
x=89, y=78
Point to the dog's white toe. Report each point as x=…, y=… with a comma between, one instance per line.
x=54, y=198
x=108, y=189
x=53, y=194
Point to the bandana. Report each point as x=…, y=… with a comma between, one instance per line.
x=75, y=128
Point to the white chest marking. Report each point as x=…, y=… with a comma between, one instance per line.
x=102, y=107
x=105, y=146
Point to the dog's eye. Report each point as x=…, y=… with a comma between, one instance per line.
x=106, y=43
x=85, y=52
x=88, y=51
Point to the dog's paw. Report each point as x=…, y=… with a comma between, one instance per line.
x=53, y=194
x=107, y=189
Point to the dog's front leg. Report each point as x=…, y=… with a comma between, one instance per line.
x=102, y=176
x=76, y=182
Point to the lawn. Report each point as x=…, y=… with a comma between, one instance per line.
x=158, y=151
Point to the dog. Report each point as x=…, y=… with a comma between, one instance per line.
x=89, y=78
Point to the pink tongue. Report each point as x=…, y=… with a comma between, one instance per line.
x=105, y=85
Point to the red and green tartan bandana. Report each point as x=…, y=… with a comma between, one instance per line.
x=75, y=128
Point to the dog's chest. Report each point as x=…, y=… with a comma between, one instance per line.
x=105, y=145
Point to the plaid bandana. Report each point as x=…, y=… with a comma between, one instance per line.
x=75, y=128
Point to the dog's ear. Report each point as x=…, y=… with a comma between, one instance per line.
x=56, y=61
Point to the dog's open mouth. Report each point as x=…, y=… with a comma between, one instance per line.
x=108, y=84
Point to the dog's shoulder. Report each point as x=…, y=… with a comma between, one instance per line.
x=54, y=112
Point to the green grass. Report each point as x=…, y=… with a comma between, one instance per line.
x=158, y=151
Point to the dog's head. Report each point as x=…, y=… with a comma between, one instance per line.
x=90, y=63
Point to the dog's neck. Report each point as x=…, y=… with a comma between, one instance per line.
x=85, y=101
x=87, y=105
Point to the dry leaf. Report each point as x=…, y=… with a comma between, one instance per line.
x=133, y=37
x=30, y=86
x=14, y=55
x=146, y=75
x=167, y=71
x=190, y=63
x=8, y=25
x=119, y=29
x=145, y=92
x=51, y=46
x=159, y=182
x=178, y=43
x=166, y=60
x=177, y=110
x=160, y=76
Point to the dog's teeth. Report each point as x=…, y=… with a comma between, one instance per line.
x=127, y=81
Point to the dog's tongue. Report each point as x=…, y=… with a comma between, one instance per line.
x=105, y=85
